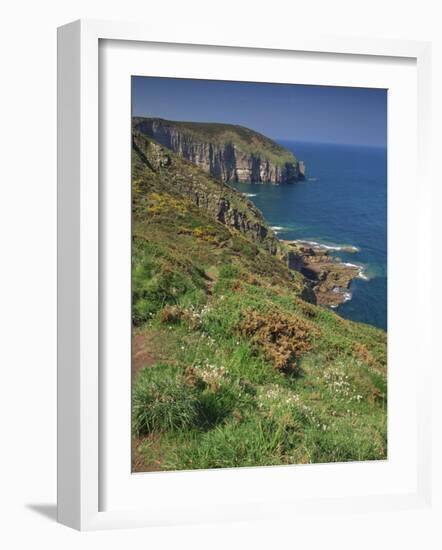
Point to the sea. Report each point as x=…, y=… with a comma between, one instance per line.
x=341, y=203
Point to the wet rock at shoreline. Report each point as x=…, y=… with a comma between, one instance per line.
x=330, y=278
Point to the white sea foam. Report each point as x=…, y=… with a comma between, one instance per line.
x=362, y=275
x=335, y=247
x=343, y=247
x=312, y=243
x=249, y=194
x=347, y=295
x=277, y=228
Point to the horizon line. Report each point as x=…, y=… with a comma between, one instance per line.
x=277, y=139
x=313, y=142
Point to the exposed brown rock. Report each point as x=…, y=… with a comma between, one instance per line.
x=227, y=162
x=329, y=277
x=220, y=201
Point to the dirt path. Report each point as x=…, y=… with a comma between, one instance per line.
x=211, y=277
x=144, y=351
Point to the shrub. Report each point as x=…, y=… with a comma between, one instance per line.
x=167, y=204
x=171, y=314
x=362, y=353
x=281, y=337
x=162, y=400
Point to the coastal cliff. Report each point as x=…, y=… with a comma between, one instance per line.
x=231, y=366
x=326, y=281
x=229, y=153
x=161, y=170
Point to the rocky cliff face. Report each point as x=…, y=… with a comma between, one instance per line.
x=215, y=149
x=329, y=278
x=163, y=171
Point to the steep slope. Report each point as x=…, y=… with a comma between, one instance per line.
x=158, y=168
x=232, y=367
x=228, y=152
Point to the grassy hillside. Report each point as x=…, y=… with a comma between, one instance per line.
x=231, y=366
x=245, y=139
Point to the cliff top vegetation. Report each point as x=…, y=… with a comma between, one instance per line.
x=247, y=140
x=231, y=366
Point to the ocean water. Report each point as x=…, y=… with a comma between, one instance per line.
x=342, y=202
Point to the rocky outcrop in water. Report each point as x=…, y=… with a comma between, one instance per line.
x=330, y=279
x=229, y=153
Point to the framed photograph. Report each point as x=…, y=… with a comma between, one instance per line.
x=234, y=258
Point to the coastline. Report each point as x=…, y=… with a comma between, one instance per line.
x=330, y=278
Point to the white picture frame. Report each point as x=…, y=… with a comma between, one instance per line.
x=80, y=368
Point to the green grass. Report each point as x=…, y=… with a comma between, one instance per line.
x=163, y=401
x=248, y=413
x=217, y=398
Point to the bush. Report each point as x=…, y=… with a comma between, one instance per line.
x=171, y=314
x=281, y=337
x=162, y=400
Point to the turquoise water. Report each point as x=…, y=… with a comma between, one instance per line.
x=342, y=202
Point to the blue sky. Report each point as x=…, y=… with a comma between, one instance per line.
x=325, y=114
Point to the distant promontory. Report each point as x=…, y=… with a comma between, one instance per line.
x=228, y=152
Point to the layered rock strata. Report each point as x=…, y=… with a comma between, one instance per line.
x=227, y=152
